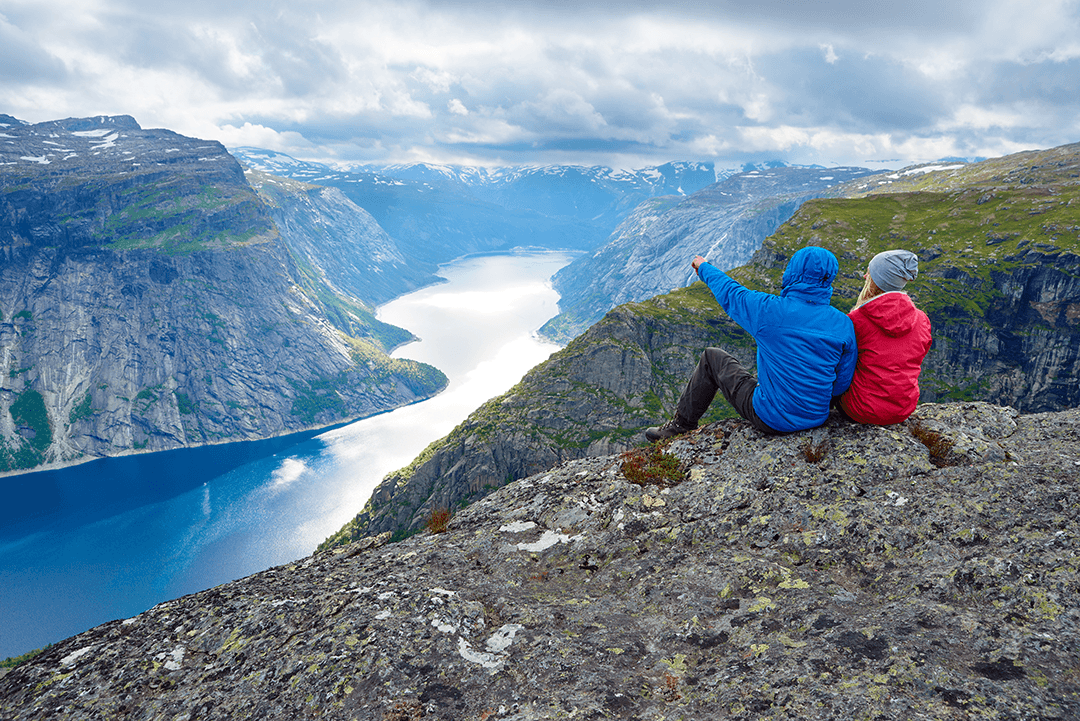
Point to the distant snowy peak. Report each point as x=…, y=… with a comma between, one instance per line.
x=480, y=178
x=98, y=122
x=674, y=178
x=7, y=121
x=931, y=168
x=115, y=139
x=271, y=161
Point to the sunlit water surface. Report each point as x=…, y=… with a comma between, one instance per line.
x=108, y=539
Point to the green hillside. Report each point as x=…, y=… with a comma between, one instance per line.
x=965, y=225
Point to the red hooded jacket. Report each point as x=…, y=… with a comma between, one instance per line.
x=893, y=337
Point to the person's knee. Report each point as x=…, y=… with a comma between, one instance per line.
x=715, y=357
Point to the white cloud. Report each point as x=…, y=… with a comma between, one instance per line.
x=484, y=82
x=773, y=139
x=972, y=117
x=260, y=136
x=437, y=81
x=561, y=109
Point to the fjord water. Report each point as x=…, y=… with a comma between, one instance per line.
x=108, y=539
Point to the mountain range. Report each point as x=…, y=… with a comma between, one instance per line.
x=438, y=213
x=639, y=226
x=122, y=248
x=127, y=259
x=128, y=321
x=999, y=249
x=649, y=252
x=155, y=293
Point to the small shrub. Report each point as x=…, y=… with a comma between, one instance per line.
x=410, y=710
x=147, y=394
x=651, y=465
x=184, y=404
x=29, y=410
x=439, y=520
x=670, y=691
x=939, y=446
x=814, y=452
x=14, y=661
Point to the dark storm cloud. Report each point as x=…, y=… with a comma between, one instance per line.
x=1046, y=82
x=23, y=61
x=915, y=15
x=855, y=92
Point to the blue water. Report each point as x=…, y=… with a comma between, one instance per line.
x=109, y=539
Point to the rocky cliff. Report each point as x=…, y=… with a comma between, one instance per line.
x=648, y=253
x=1000, y=279
x=340, y=242
x=148, y=301
x=927, y=570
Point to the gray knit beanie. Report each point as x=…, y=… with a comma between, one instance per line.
x=891, y=269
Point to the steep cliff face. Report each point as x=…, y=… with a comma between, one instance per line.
x=340, y=241
x=147, y=301
x=927, y=570
x=650, y=251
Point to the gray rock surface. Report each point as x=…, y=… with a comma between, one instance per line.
x=851, y=572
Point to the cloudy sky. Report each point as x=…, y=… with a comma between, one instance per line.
x=503, y=82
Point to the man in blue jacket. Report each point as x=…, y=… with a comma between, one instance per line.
x=806, y=351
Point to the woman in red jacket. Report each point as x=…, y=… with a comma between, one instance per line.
x=893, y=337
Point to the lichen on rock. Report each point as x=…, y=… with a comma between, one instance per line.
x=870, y=582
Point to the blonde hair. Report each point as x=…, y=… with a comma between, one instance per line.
x=869, y=290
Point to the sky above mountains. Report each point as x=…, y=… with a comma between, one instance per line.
x=625, y=84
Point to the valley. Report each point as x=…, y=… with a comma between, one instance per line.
x=159, y=293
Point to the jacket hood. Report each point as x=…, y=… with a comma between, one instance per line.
x=809, y=275
x=893, y=312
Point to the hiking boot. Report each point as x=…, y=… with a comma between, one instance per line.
x=669, y=430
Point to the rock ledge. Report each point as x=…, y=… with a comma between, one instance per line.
x=844, y=573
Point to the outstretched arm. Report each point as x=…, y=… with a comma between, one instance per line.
x=743, y=305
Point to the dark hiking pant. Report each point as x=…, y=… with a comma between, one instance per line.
x=718, y=370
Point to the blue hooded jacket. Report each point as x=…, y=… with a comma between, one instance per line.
x=806, y=349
